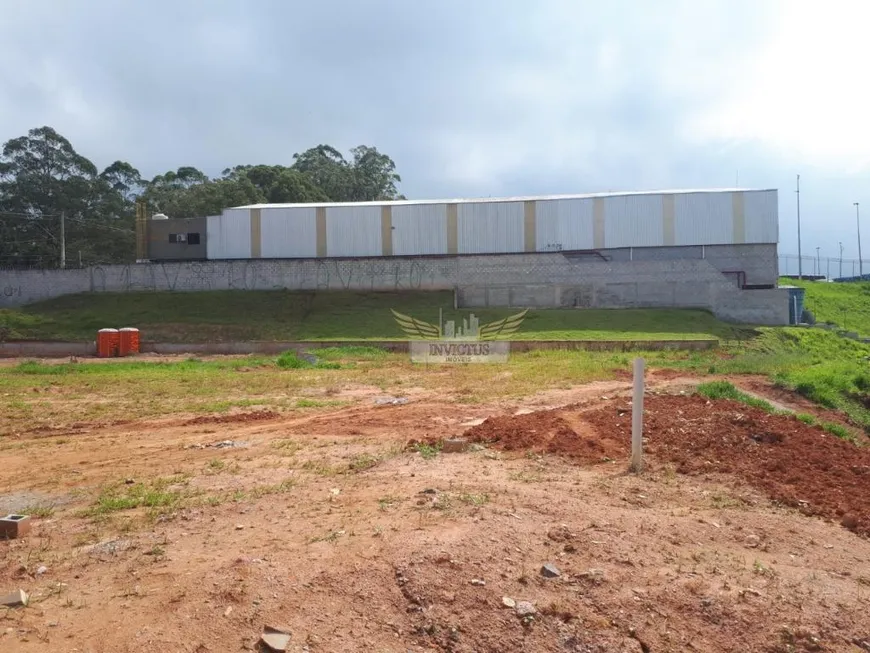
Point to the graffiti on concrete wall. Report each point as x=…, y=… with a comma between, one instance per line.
x=331, y=274
x=264, y=274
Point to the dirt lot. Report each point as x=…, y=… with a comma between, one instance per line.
x=745, y=533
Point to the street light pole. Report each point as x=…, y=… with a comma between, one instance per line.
x=62, y=240
x=800, y=261
x=860, y=261
x=841, y=260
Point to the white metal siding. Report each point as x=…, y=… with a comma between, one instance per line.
x=564, y=223
x=490, y=227
x=761, y=216
x=633, y=221
x=704, y=219
x=213, y=240
x=353, y=231
x=288, y=233
x=419, y=229
x=229, y=234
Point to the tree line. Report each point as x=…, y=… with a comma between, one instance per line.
x=52, y=196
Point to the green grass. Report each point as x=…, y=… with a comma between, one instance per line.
x=726, y=390
x=157, y=493
x=826, y=368
x=844, y=304
x=428, y=451
x=39, y=511
x=219, y=316
x=291, y=360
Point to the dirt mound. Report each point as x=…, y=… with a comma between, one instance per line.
x=545, y=432
x=796, y=464
x=254, y=416
x=792, y=462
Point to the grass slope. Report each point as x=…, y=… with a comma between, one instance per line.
x=283, y=315
x=844, y=304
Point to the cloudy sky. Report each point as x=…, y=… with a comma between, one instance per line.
x=469, y=97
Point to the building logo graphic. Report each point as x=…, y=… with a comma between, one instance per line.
x=469, y=342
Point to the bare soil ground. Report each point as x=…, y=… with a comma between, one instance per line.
x=746, y=532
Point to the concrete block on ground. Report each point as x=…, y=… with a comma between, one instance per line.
x=14, y=526
x=14, y=599
x=455, y=445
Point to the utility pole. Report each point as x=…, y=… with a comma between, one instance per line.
x=818, y=263
x=841, y=260
x=62, y=240
x=860, y=261
x=800, y=261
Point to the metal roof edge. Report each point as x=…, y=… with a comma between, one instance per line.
x=523, y=198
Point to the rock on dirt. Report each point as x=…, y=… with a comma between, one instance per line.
x=549, y=570
x=14, y=599
x=109, y=547
x=508, y=602
x=275, y=639
x=391, y=401
x=525, y=609
x=455, y=445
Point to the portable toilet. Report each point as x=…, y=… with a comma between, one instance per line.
x=795, y=304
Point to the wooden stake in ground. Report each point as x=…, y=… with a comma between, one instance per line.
x=637, y=418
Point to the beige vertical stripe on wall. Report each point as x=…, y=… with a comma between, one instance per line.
x=669, y=236
x=452, y=229
x=738, y=214
x=598, y=223
x=529, y=226
x=387, y=230
x=320, y=222
x=256, y=231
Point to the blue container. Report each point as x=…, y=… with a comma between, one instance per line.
x=795, y=304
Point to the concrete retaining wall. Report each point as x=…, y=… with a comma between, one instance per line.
x=38, y=349
x=652, y=277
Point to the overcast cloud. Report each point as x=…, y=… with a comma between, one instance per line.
x=470, y=98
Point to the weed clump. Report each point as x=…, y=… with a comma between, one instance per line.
x=726, y=390
x=293, y=360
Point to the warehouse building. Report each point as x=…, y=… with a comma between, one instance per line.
x=714, y=249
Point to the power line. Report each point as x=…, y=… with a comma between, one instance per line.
x=29, y=215
x=83, y=221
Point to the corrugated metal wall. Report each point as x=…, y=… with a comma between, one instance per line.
x=490, y=227
x=762, y=217
x=633, y=221
x=606, y=222
x=229, y=234
x=419, y=229
x=703, y=219
x=353, y=231
x=288, y=233
x=563, y=224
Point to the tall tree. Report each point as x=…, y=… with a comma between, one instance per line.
x=124, y=179
x=328, y=170
x=279, y=184
x=374, y=175
x=42, y=178
x=188, y=193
